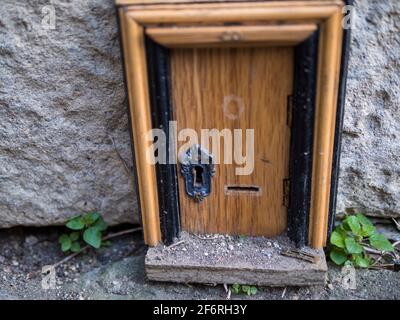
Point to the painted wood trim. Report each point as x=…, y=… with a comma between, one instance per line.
x=339, y=31
x=339, y=124
x=176, y=15
x=172, y=37
x=324, y=129
x=158, y=3
x=139, y=105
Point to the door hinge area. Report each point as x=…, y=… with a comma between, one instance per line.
x=286, y=192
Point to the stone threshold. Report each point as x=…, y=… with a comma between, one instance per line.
x=216, y=259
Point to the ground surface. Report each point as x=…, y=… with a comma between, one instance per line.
x=117, y=272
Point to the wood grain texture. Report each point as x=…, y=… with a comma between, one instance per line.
x=208, y=14
x=232, y=36
x=205, y=82
x=139, y=105
x=157, y=3
x=324, y=129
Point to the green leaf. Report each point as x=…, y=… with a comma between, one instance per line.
x=100, y=224
x=92, y=236
x=348, y=263
x=338, y=256
x=76, y=223
x=236, y=288
x=246, y=289
x=64, y=237
x=361, y=261
x=352, y=246
x=66, y=244
x=367, y=230
x=354, y=224
x=363, y=220
x=378, y=241
x=75, y=246
x=337, y=239
x=253, y=290
x=90, y=218
x=344, y=227
x=74, y=236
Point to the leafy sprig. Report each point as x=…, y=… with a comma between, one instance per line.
x=351, y=237
x=88, y=228
x=245, y=289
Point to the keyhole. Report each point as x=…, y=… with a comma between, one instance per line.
x=198, y=176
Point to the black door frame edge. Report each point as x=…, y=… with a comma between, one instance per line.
x=162, y=114
x=301, y=144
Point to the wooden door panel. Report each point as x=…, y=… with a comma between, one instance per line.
x=237, y=88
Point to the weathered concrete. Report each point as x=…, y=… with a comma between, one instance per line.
x=62, y=97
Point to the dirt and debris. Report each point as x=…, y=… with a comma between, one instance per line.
x=215, y=258
x=220, y=249
x=117, y=272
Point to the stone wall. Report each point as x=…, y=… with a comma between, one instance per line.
x=62, y=101
x=370, y=162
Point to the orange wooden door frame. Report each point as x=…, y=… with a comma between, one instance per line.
x=135, y=18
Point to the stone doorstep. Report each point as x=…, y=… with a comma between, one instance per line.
x=280, y=272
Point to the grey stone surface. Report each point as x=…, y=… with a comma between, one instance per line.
x=370, y=164
x=61, y=99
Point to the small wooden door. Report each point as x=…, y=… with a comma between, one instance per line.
x=237, y=88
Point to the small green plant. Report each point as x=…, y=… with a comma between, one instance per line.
x=351, y=237
x=249, y=290
x=88, y=227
